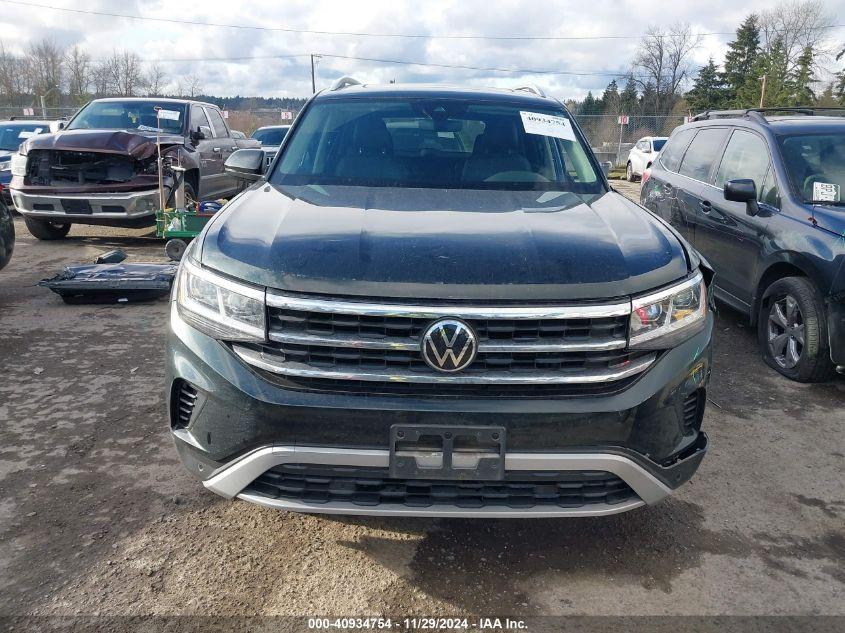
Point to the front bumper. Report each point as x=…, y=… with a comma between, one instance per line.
x=131, y=208
x=242, y=426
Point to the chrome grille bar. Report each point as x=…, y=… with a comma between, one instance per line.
x=413, y=345
x=360, y=308
x=302, y=370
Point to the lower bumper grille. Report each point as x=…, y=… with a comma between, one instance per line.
x=369, y=487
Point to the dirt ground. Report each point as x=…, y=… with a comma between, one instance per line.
x=97, y=516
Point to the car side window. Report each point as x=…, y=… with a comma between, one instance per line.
x=671, y=155
x=703, y=153
x=746, y=156
x=769, y=193
x=220, y=129
x=198, y=118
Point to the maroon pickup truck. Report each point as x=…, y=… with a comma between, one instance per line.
x=101, y=168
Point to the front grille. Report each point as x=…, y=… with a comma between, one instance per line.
x=341, y=345
x=184, y=402
x=373, y=486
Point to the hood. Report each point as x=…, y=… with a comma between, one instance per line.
x=830, y=218
x=136, y=144
x=438, y=244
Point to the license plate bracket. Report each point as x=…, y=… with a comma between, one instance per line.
x=421, y=451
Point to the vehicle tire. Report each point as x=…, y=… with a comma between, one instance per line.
x=191, y=201
x=46, y=230
x=629, y=172
x=792, y=330
x=7, y=235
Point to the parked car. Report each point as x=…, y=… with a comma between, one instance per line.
x=271, y=137
x=12, y=134
x=102, y=167
x=434, y=304
x=7, y=235
x=761, y=198
x=642, y=155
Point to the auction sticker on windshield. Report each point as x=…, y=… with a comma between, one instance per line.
x=825, y=192
x=172, y=115
x=547, y=125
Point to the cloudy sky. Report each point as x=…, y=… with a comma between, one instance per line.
x=596, y=59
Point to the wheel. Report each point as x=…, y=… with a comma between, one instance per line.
x=175, y=248
x=629, y=172
x=7, y=235
x=792, y=330
x=191, y=201
x=46, y=230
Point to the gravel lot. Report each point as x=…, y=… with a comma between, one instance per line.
x=98, y=518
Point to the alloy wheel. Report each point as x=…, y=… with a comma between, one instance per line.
x=786, y=332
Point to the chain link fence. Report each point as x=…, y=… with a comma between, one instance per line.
x=612, y=141
x=609, y=140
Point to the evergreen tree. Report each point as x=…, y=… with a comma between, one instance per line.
x=741, y=58
x=610, y=98
x=590, y=105
x=802, y=79
x=648, y=100
x=779, y=87
x=708, y=93
x=628, y=98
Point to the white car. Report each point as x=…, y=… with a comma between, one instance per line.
x=642, y=155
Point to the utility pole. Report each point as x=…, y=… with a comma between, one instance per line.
x=763, y=91
x=313, y=81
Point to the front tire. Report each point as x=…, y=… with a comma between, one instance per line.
x=46, y=230
x=629, y=172
x=792, y=330
x=7, y=235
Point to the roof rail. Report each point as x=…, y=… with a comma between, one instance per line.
x=758, y=113
x=344, y=82
x=537, y=90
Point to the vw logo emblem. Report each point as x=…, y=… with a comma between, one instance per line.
x=449, y=345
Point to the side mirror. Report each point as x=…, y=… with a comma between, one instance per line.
x=247, y=164
x=607, y=167
x=743, y=190
x=202, y=132
x=61, y=125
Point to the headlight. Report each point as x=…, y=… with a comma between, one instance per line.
x=665, y=317
x=18, y=163
x=221, y=308
x=5, y=165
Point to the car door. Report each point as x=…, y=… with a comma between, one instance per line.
x=224, y=145
x=727, y=235
x=667, y=193
x=211, y=166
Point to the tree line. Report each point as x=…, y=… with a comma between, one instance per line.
x=777, y=58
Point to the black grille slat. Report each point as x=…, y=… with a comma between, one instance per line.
x=186, y=400
x=373, y=486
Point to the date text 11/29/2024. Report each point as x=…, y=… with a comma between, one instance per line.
x=418, y=624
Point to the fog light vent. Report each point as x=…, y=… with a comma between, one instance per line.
x=186, y=399
x=694, y=409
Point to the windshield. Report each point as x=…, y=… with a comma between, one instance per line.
x=436, y=143
x=13, y=134
x=816, y=166
x=270, y=135
x=658, y=144
x=130, y=115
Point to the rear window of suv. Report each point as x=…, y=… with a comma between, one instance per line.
x=436, y=143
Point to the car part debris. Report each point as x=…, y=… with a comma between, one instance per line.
x=111, y=283
x=112, y=257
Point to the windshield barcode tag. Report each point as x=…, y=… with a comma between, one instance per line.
x=547, y=125
x=825, y=192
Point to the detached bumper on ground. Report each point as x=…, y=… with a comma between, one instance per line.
x=305, y=449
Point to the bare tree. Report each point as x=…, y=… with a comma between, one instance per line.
x=101, y=79
x=126, y=73
x=79, y=72
x=663, y=60
x=155, y=80
x=190, y=85
x=797, y=25
x=13, y=78
x=45, y=66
